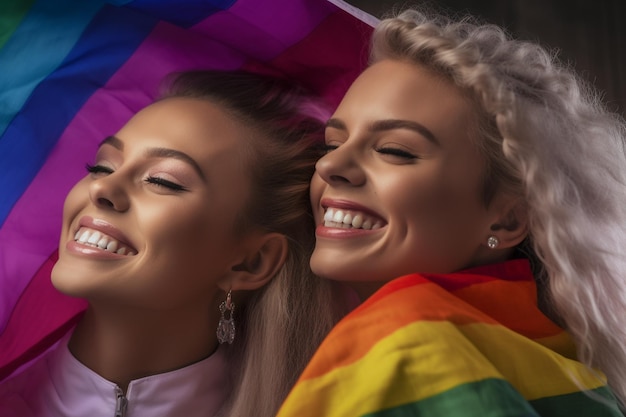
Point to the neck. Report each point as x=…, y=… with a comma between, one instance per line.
x=124, y=344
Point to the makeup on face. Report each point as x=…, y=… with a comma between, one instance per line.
x=399, y=189
x=151, y=224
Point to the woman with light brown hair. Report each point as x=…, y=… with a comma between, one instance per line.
x=190, y=237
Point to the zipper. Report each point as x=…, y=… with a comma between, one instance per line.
x=121, y=403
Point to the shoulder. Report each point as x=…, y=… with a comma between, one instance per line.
x=419, y=345
x=377, y=362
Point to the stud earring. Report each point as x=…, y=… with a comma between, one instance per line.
x=226, y=326
x=493, y=242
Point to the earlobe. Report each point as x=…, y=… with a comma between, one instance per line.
x=264, y=258
x=511, y=228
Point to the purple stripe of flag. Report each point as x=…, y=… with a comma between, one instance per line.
x=263, y=33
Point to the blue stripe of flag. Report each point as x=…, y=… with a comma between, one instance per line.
x=110, y=39
x=192, y=13
x=37, y=47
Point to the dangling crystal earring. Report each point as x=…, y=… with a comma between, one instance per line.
x=493, y=242
x=226, y=326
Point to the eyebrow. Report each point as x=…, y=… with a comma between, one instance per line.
x=390, y=124
x=113, y=141
x=159, y=153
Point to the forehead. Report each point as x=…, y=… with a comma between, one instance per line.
x=196, y=127
x=403, y=90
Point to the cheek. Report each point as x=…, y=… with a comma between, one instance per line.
x=172, y=224
x=187, y=229
x=414, y=196
x=75, y=200
x=317, y=186
x=436, y=205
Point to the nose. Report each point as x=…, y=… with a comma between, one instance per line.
x=341, y=167
x=108, y=192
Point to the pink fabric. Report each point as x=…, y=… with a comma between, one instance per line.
x=29, y=332
x=246, y=25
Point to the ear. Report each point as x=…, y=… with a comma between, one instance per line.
x=511, y=225
x=264, y=256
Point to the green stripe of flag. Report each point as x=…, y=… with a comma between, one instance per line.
x=580, y=403
x=497, y=398
x=11, y=14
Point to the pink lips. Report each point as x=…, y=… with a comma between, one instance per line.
x=103, y=227
x=334, y=232
x=323, y=231
x=349, y=205
x=75, y=247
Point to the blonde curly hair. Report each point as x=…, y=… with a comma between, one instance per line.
x=547, y=138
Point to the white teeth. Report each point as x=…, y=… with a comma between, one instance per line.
x=84, y=237
x=112, y=246
x=97, y=239
x=346, y=220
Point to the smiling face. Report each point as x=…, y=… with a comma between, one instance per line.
x=400, y=189
x=152, y=223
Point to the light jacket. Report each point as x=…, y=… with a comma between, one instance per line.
x=58, y=385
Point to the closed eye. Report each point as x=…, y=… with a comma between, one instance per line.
x=98, y=169
x=396, y=152
x=165, y=183
x=329, y=148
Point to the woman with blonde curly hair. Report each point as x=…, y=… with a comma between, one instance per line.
x=474, y=195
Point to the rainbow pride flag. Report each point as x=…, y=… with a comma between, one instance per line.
x=74, y=71
x=469, y=344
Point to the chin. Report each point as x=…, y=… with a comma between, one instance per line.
x=333, y=271
x=68, y=280
x=336, y=265
x=320, y=267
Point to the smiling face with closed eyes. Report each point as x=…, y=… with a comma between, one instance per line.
x=400, y=189
x=153, y=222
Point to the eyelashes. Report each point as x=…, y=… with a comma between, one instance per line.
x=98, y=169
x=396, y=152
x=165, y=183
x=157, y=181
x=401, y=153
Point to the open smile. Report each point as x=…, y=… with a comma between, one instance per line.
x=97, y=239
x=351, y=219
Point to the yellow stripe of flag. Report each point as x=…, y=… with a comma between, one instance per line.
x=424, y=359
